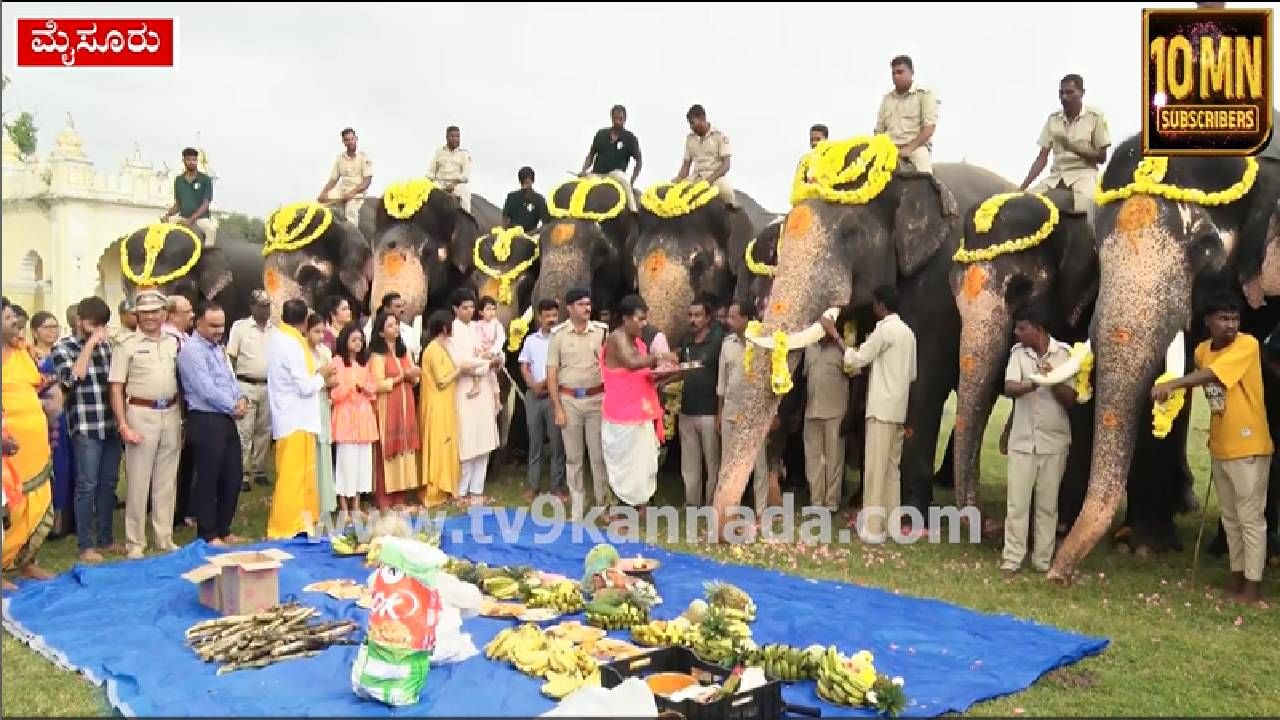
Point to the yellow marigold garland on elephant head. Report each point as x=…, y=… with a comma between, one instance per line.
x=1148, y=179
x=984, y=219
x=672, y=200
x=824, y=169
x=755, y=267
x=296, y=226
x=153, y=245
x=502, y=241
x=402, y=199
x=577, y=209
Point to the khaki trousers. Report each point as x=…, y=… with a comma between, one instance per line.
x=350, y=209
x=209, y=228
x=1038, y=475
x=255, y=430
x=1242, y=494
x=824, y=461
x=699, y=450
x=581, y=435
x=760, y=476
x=1081, y=192
x=151, y=469
x=882, y=484
x=621, y=177
x=921, y=159
x=462, y=193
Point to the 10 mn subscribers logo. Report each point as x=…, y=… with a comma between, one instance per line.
x=96, y=42
x=1206, y=81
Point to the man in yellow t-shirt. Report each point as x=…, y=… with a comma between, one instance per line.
x=1230, y=371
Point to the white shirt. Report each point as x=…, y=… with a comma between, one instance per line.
x=291, y=392
x=890, y=349
x=411, y=335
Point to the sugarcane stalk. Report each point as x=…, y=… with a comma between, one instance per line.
x=263, y=662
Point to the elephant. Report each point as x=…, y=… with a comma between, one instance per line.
x=1162, y=249
x=1031, y=251
x=422, y=244
x=584, y=245
x=326, y=256
x=690, y=244
x=226, y=273
x=857, y=223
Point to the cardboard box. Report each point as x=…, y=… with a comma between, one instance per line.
x=241, y=582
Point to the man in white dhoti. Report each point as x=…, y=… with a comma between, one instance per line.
x=631, y=429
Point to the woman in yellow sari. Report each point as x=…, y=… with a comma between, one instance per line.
x=26, y=422
x=438, y=418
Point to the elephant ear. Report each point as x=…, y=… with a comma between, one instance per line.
x=368, y=218
x=213, y=272
x=466, y=231
x=355, y=262
x=1259, y=234
x=926, y=209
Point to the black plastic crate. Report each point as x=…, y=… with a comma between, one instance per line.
x=762, y=703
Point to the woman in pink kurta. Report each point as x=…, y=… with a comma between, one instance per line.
x=355, y=424
x=477, y=424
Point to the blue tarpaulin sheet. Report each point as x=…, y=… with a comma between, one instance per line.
x=123, y=625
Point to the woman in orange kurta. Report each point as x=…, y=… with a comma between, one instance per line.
x=395, y=375
x=355, y=425
x=439, y=415
x=25, y=421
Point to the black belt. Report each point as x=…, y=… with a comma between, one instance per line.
x=251, y=381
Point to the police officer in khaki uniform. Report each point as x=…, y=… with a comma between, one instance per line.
x=349, y=179
x=909, y=114
x=827, y=386
x=1078, y=137
x=577, y=395
x=707, y=155
x=247, y=348
x=128, y=323
x=451, y=168
x=144, y=397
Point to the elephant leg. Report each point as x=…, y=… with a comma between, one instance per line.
x=1075, y=477
x=946, y=477
x=920, y=440
x=1156, y=485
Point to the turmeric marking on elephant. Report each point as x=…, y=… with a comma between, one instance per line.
x=272, y=281
x=799, y=221
x=392, y=263
x=1137, y=215
x=562, y=233
x=1121, y=336
x=961, y=423
x=967, y=364
x=778, y=306
x=974, y=279
x=1109, y=420
x=655, y=262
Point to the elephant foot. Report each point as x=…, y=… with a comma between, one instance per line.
x=1062, y=580
x=1189, y=503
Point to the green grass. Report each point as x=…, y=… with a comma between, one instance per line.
x=1175, y=649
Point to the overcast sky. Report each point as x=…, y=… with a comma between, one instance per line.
x=269, y=88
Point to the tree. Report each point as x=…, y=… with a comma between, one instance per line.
x=22, y=130
x=238, y=224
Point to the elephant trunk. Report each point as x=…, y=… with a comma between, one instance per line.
x=802, y=291
x=1143, y=302
x=667, y=289
x=985, y=328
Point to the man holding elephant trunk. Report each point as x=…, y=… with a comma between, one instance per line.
x=1039, y=438
x=1230, y=371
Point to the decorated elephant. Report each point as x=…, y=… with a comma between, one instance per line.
x=857, y=223
x=690, y=244
x=1019, y=250
x=1170, y=230
x=585, y=243
x=312, y=253
x=171, y=259
x=422, y=244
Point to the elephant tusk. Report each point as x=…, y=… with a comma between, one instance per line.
x=1175, y=358
x=1065, y=371
x=802, y=339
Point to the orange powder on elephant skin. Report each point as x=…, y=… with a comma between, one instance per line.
x=271, y=281
x=562, y=233
x=974, y=279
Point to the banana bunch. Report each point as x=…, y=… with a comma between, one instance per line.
x=784, y=662
x=346, y=543
x=501, y=588
x=565, y=597
x=722, y=637
x=616, y=617
x=663, y=633
x=516, y=642
x=844, y=681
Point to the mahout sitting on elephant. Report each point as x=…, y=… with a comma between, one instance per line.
x=1171, y=232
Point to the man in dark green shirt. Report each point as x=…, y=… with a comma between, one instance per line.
x=699, y=433
x=192, y=194
x=612, y=149
x=525, y=207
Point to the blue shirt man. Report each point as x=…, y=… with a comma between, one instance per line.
x=214, y=403
x=538, y=413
